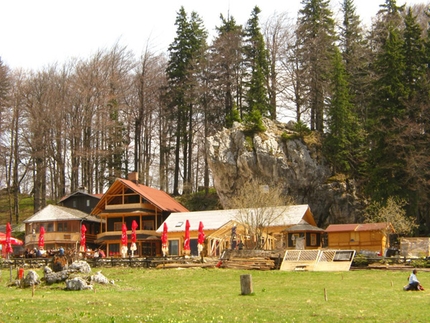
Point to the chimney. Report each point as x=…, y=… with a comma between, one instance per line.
x=134, y=177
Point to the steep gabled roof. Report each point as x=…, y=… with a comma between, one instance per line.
x=53, y=213
x=98, y=196
x=214, y=219
x=160, y=199
x=357, y=227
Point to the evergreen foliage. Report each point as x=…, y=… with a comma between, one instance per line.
x=256, y=60
x=341, y=121
x=184, y=55
x=316, y=37
x=227, y=64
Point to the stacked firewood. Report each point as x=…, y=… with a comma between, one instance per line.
x=257, y=263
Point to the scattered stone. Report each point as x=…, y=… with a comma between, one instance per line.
x=99, y=278
x=81, y=266
x=31, y=279
x=77, y=283
x=53, y=277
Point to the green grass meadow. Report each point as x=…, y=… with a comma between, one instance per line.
x=214, y=295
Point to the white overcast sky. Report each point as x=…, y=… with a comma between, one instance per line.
x=37, y=33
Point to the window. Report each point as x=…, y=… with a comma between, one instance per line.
x=113, y=249
x=62, y=227
x=50, y=227
x=117, y=226
x=174, y=247
x=148, y=225
x=148, y=249
x=75, y=204
x=313, y=239
x=88, y=202
x=128, y=199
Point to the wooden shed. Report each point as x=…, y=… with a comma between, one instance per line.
x=360, y=237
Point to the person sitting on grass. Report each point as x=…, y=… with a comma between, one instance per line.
x=414, y=283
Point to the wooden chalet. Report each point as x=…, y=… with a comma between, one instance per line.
x=360, y=237
x=125, y=201
x=223, y=230
x=62, y=227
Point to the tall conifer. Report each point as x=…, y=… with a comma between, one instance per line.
x=256, y=57
x=316, y=37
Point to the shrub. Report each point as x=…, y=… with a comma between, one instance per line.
x=360, y=260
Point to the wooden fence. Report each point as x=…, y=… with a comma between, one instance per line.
x=105, y=262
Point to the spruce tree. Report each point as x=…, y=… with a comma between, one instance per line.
x=385, y=166
x=356, y=56
x=227, y=68
x=184, y=54
x=342, y=135
x=256, y=58
x=316, y=37
x=414, y=54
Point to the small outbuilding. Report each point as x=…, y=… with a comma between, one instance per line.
x=372, y=237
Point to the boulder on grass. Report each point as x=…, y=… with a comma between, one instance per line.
x=77, y=283
x=81, y=266
x=53, y=278
x=31, y=279
x=99, y=278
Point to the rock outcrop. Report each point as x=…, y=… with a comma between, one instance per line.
x=31, y=279
x=278, y=156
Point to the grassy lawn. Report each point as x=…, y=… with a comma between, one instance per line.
x=213, y=295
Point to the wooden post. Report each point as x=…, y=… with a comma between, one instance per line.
x=246, y=284
x=325, y=295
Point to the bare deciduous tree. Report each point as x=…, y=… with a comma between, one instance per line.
x=392, y=212
x=261, y=206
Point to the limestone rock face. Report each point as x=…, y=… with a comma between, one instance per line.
x=234, y=159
